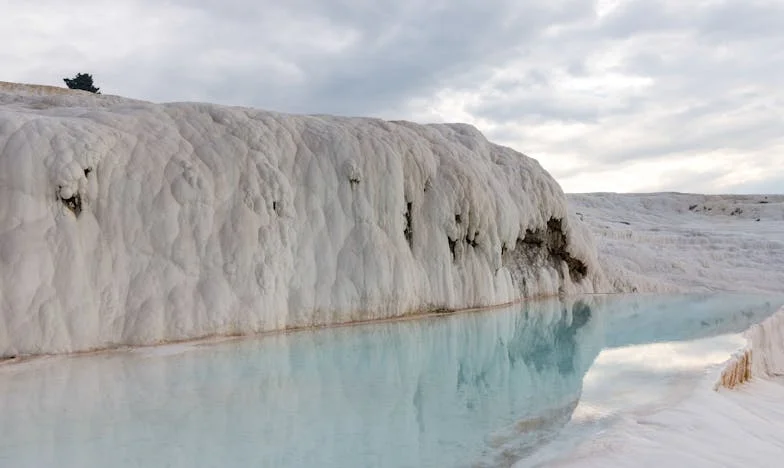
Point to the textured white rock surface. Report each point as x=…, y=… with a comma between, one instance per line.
x=677, y=242
x=126, y=223
x=706, y=429
x=766, y=342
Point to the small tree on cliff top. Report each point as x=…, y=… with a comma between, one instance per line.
x=83, y=81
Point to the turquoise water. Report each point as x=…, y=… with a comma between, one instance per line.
x=477, y=389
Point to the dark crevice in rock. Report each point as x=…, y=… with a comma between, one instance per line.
x=452, y=245
x=87, y=171
x=276, y=207
x=473, y=242
x=74, y=203
x=408, y=231
x=577, y=269
x=458, y=219
x=541, y=248
x=532, y=238
x=469, y=241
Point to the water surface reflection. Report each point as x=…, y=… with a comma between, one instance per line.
x=478, y=389
x=443, y=391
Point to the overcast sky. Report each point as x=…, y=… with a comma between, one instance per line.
x=609, y=95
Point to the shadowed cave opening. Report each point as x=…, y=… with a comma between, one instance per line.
x=538, y=248
x=541, y=248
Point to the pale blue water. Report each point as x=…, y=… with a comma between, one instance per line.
x=479, y=389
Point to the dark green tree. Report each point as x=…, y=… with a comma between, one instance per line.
x=83, y=81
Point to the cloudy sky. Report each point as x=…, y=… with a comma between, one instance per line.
x=609, y=95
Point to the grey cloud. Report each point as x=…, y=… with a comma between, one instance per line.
x=743, y=19
x=714, y=74
x=404, y=50
x=430, y=52
x=535, y=108
x=637, y=17
x=713, y=69
x=724, y=20
x=529, y=80
x=774, y=185
x=690, y=181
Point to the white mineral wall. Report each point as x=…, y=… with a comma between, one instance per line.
x=766, y=341
x=126, y=222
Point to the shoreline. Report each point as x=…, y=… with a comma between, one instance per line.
x=224, y=338
x=711, y=424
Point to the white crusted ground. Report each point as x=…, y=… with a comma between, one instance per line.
x=664, y=242
x=705, y=428
x=127, y=222
x=766, y=342
x=683, y=242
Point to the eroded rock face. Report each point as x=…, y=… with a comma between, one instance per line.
x=543, y=249
x=125, y=222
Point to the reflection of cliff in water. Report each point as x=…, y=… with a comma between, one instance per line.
x=559, y=352
x=431, y=392
x=555, y=349
x=640, y=319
